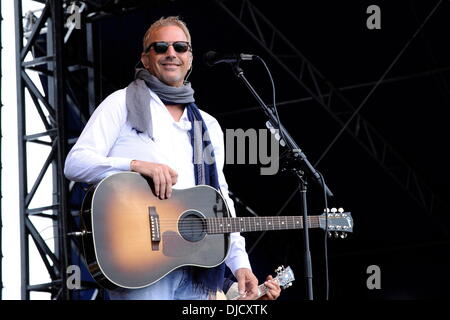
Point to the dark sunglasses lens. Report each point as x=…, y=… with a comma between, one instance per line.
x=160, y=47
x=181, y=46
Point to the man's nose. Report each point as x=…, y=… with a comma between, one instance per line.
x=171, y=51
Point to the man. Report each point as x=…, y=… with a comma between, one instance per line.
x=152, y=127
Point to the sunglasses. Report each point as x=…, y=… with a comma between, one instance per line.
x=162, y=46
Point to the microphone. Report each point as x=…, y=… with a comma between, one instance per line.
x=212, y=58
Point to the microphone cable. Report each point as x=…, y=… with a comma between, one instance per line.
x=274, y=100
x=327, y=280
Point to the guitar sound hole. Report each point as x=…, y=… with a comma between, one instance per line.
x=192, y=226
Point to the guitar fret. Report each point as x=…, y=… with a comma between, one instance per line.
x=216, y=225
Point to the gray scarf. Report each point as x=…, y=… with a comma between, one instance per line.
x=138, y=98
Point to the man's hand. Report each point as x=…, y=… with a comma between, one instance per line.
x=247, y=284
x=273, y=291
x=163, y=176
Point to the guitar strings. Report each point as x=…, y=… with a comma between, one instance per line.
x=214, y=228
x=216, y=222
x=244, y=220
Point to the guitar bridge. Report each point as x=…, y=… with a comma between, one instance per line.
x=154, y=228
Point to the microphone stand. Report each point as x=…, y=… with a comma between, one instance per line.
x=297, y=161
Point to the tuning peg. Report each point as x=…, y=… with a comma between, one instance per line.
x=330, y=234
x=343, y=235
x=333, y=210
x=277, y=136
x=326, y=210
x=341, y=210
x=336, y=234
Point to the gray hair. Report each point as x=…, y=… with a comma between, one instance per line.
x=163, y=22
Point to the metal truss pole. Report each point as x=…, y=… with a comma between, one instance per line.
x=23, y=185
x=54, y=101
x=59, y=101
x=331, y=99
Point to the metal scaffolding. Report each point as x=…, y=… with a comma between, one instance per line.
x=54, y=102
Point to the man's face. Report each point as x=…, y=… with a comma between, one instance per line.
x=169, y=67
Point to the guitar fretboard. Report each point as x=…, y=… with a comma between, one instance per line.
x=249, y=224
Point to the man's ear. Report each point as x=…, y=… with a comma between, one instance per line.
x=144, y=60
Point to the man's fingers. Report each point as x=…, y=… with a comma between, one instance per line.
x=254, y=292
x=156, y=183
x=241, y=287
x=162, y=185
x=162, y=175
x=173, y=175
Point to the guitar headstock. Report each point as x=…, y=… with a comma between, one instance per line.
x=285, y=276
x=339, y=222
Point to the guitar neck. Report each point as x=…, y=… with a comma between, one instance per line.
x=262, y=290
x=249, y=224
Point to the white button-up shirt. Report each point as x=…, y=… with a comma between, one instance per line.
x=108, y=144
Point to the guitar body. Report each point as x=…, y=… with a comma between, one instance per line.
x=118, y=236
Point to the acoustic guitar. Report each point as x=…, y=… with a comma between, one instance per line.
x=132, y=239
